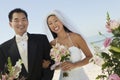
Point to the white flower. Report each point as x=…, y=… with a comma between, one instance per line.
x=17, y=68
x=59, y=53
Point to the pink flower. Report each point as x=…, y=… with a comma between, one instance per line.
x=4, y=77
x=98, y=61
x=59, y=53
x=108, y=28
x=114, y=77
x=107, y=42
x=112, y=25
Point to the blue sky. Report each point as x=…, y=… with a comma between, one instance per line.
x=88, y=16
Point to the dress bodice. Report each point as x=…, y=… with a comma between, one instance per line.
x=76, y=73
x=75, y=54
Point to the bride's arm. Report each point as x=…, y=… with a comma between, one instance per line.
x=84, y=47
x=79, y=42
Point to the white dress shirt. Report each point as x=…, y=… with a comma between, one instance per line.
x=22, y=42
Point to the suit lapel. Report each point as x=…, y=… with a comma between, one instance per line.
x=14, y=54
x=13, y=51
x=31, y=53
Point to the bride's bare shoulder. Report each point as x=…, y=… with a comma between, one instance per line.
x=74, y=35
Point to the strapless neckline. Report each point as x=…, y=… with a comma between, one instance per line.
x=73, y=47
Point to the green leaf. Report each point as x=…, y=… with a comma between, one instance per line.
x=65, y=74
x=100, y=33
x=108, y=17
x=101, y=76
x=9, y=66
x=105, y=55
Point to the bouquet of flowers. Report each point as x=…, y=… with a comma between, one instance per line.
x=59, y=53
x=11, y=72
x=110, y=53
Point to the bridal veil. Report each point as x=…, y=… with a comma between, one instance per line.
x=66, y=22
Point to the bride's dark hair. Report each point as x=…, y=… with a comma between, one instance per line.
x=54, y=34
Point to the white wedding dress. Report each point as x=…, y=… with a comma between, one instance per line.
x=77, y=73
x=76, y=53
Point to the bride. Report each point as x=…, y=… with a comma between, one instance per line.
x=59, y=30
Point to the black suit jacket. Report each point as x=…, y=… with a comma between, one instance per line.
x=38, y=49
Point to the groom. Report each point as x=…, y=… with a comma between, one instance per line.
x=33, y=49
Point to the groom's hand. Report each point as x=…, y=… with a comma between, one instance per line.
x=46, y=63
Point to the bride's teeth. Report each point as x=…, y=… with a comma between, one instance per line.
x=56, y=28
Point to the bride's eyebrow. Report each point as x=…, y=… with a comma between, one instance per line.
x=55, y=18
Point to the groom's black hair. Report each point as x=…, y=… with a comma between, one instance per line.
x=16, y=10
